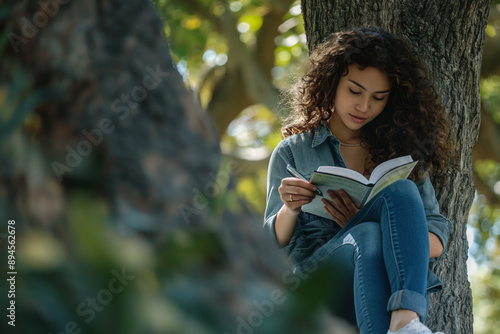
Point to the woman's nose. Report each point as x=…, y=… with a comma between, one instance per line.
x=363, y=105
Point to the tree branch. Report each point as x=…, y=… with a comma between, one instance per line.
x=257, y=81
x=269, y=31
x=485, y=190
x=487, y=146
x=227, y=102
x=242, y=70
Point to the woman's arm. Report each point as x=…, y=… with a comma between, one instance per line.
x=439, y=227
x=282, y=209
x=285, y=225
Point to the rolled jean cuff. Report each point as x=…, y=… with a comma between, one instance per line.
x=408, y=300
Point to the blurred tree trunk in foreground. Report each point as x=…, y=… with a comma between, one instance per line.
x=449, y=37
x=116, y=178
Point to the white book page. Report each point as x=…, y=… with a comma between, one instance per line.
x=398, y=173
x=377, y=173
x=346, y=172
x=388, y=165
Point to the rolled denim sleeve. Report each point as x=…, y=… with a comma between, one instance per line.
x=280, y=157
x=438, y=224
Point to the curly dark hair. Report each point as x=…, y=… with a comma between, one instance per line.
x=413, y=121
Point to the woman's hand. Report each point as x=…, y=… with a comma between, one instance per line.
x=343, y=210
x=295, y=192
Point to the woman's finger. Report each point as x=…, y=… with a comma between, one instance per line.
x=338, y=202
x=335, y=214
x=294, y=181
x=333, y=208
x=290, y=197
x=348, y=203
x=296, y=186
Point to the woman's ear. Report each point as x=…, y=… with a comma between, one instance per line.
x=329, y=114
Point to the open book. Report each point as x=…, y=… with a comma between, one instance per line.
x=359, y=188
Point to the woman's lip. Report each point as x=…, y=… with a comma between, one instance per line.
x=357, y=119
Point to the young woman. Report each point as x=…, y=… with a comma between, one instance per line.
x=366, y=97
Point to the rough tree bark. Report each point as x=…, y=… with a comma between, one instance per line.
x=450, y=39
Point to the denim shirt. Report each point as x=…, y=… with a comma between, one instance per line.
x=306, y=152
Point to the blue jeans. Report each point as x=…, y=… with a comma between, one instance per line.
x=383, y=254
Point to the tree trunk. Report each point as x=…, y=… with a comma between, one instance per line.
x=449, y=37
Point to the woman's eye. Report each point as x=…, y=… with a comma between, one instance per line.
x=355, y=93
x=378, y=98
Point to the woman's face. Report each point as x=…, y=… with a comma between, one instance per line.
x=361, y=96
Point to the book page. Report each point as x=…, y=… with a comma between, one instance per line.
x=316, y=207
x=359, y=189
x=397, y=173
x=345, y=172
x=324, y=182
x=386, y=166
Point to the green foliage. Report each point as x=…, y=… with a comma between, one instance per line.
x=490, y=97
x=198, y=44
x=484, y=217
x=485, y=223
x=253, y=136
x=486, y=293
x=252, y=189
x=64, y=275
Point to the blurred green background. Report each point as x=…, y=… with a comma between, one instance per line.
x=199, y=48
x=216, y=44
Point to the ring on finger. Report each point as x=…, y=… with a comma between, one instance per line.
x=291, y=197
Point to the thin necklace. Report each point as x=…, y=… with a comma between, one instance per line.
x=341, y=143
x=349, y=145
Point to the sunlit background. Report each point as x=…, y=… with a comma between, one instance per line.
x=201, y=48
x=257, y=47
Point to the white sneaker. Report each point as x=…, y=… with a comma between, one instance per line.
x=414, y=327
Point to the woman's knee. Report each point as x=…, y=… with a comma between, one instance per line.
x=403, y=187
x=365, y=230
x=403, y=191
x=367, y=237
